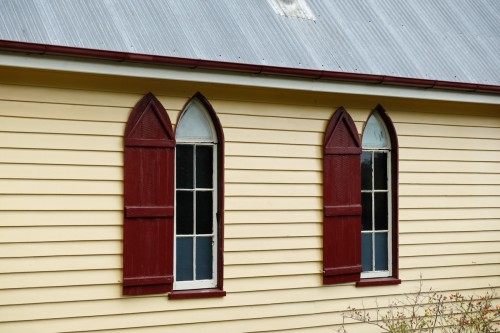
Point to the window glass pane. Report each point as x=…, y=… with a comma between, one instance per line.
x=184, y=259
x=204, y=166
x=184, y=213
x=366, y=252
x=366, y=216
x=204, y=218
x=204, y=258
x=184, y=166
x=381, y=261
x=366, y=170
x=380, y=171
x=381, y=216
x=374, y=135
x=195, y=124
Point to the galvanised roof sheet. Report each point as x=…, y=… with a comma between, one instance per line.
x=445, y=40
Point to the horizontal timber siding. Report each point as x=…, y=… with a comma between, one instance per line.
x=61, y=172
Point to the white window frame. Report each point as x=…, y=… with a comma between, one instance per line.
x=383, y=273
x=387, y=150
x=210, y=283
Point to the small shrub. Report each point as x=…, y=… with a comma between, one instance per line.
x=428, y=312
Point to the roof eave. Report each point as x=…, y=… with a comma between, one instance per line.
x=246, y=68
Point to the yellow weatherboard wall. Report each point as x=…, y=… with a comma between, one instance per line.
x=61, y=143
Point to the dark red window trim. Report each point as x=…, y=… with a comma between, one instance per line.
x=197, y=293
x=386, y=281
x=394, y=279
x=218, y=291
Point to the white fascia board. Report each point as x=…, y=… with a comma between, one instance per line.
x=139, y=70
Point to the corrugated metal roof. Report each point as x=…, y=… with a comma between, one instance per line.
x=445, y=40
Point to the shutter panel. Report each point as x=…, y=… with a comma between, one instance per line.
x=342, y=201
x=148, y=234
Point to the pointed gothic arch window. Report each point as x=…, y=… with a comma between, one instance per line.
x=375, y=192
x=198, y=219
x=359, y=244
x=150, y=242
x=379, y=188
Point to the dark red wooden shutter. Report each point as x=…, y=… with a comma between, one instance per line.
x=148, y=229
x=342, y=200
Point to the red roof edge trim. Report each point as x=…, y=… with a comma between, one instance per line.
x=256, y=69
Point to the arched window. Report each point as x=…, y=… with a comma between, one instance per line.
x=360, y=230
x=198, y=195
x=173, y=214
x=379, y=163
